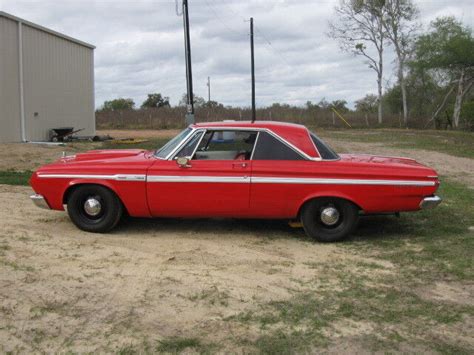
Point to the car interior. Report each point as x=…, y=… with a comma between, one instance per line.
x=220, y=145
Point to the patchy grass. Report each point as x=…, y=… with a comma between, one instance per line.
x=424, y=248
x=176, y=345
x=15, y=266
x=430, y=244
x=11, y=177
x=211, y=296
x=455, y=143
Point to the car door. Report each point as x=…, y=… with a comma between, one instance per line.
x=276, y=168
x=214, y=183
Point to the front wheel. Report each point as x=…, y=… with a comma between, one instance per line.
x=329, y=219
x=94, y=208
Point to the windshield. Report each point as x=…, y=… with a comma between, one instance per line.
x=324, y=150
x=164, y=151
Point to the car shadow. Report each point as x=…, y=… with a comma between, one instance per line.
x=369, y=228
x=382, y=227
x=270, y=229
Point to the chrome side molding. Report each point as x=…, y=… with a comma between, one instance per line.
x=40, y=201
x=430, y=202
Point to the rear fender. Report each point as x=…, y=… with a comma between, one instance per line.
x=331, y=194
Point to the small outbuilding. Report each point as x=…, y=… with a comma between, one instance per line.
x=46, y=81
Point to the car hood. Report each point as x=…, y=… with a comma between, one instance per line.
x=103, y=155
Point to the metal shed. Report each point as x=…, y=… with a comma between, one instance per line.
x=46, y=81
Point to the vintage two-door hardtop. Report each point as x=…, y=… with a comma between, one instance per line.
x=240, y=170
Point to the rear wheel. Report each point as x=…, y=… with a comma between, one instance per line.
x=94, y=208
x=329, y=219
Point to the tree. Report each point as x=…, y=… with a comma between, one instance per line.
x=119, y=104
x=156, y=100
x=340, y=106
x=398, y=22
x=324, y=104
x=360, y=30
x=198, y=101
x=213, y=104
x=449, y=50
x=368, y=104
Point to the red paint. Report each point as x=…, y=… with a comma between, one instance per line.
x=245, y=199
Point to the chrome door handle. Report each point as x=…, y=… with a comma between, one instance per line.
x=239, y=165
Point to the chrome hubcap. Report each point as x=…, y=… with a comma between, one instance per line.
x=329, y=216
x=92, y=207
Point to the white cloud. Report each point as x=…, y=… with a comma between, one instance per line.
x=140, y=47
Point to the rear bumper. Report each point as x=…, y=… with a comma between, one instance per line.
x=430, y=202
x=40, y=201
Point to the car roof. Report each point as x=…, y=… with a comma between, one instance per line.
x=296, y=134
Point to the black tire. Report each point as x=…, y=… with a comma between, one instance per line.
x=109, y=214
x=347, y=216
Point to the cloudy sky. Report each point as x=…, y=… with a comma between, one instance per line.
x=140, y=47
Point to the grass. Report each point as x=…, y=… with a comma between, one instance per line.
x=176, y=345
x=444, y=244
x=11, y=177
x=455, y=143
x=424, y=248
x=212, y=296
x=17, y=267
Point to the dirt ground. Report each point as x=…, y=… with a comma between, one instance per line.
x=150, y=278
x=62, y=289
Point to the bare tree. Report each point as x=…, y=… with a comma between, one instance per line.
x=399, y=24
x=360, y=30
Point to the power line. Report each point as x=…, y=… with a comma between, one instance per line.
x=269, y=43
x=216, y=15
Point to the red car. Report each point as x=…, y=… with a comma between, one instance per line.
x=236, y=169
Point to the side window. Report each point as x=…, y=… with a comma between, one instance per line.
x=226, y=145
x=324, y=150
x=270, y=148
x=188, y=149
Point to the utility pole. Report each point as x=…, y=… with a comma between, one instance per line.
x=253, y=69
x=208, y=89
x=189, y=73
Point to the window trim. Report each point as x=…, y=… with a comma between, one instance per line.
x=205, y=130
x=230, y=128
x=178, y=147
x=198, y=131
x=317, y=150
x=255, y=145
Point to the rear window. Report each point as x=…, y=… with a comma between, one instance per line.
x=270, y=148
x=324, y=150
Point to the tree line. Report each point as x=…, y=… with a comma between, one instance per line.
x=434, y=67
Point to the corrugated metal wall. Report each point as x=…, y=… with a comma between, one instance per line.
x=58, y=84
x=10, y=126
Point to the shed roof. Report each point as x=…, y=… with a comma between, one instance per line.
x=44, y=29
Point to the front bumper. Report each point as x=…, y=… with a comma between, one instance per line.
x=40, y=201
x=430, y=202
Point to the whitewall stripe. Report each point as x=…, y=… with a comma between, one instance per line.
x=218, y=179
x=118, y=177
x=318, y=181
x=240, y=179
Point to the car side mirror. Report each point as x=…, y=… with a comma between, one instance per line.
x=183, y=162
